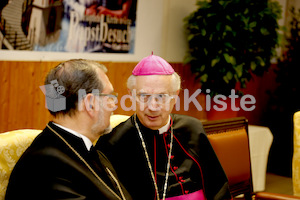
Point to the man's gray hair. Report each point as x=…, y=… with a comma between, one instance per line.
x=176, y=82
x=73, y=75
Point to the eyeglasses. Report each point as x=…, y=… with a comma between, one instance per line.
x=110, y=97
x=159, y=98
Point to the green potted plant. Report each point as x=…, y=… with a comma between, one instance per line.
x=230, y=41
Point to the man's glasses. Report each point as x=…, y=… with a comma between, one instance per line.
x=110, y=97
x=159, y=98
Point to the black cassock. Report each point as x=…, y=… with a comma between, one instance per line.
x=49, y=169
x=193, y=161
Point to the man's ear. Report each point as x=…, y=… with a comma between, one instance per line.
x=89, y=102
x=176, y=95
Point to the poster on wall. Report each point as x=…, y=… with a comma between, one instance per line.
x=103, y=26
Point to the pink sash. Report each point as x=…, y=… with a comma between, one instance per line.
x=198, y=195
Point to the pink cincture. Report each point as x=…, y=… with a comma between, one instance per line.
x=198, y=195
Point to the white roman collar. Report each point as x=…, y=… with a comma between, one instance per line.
x=86, y=140
x=165, y=127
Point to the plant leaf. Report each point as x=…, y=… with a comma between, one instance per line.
x=202, y=68
x=264, y=31
x=253, y=65
x=228, y=28
x=190, y=37
x=252, y=24
x=245, y=20
x=215, y=61
x=239, y=70
x=188, y=59
x=203, y=78
x=261, y=61
x=203, y=32
x=229, y=59
x=218, y=26
x=228, y=44
x=225, y=79
x=229, y=75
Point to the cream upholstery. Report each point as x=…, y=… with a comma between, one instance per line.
x=115, y=120
x=12, y=146
x=296, y=156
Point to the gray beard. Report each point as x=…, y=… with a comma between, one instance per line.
x=106, y=130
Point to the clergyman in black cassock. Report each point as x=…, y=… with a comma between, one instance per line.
x=159, y=155
x=62, y=163
x=49, y=169
x=190, y=148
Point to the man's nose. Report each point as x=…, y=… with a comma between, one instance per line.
x=154, y=104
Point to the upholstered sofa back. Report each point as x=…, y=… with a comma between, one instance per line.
x=12, y=146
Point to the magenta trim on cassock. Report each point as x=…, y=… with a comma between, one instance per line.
x=198, y=195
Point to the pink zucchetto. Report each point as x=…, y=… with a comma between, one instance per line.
x=152, y=65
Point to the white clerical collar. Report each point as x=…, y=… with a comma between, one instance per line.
x=165, y=127
x=86, y=140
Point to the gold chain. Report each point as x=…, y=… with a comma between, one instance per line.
x=149, y=163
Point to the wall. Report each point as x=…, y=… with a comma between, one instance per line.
x=159, y=28
x=23, y=103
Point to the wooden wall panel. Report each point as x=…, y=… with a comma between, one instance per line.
x=118, y=74
x=22, y=103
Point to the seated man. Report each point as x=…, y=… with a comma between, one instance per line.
x=61, y=163
x=159, y=155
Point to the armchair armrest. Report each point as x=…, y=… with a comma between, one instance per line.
x=274, y=196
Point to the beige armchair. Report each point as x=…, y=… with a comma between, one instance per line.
x=12, y=146
x=117, y=119
x=296, y=156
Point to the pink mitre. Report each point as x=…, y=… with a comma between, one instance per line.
x=152, y=65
